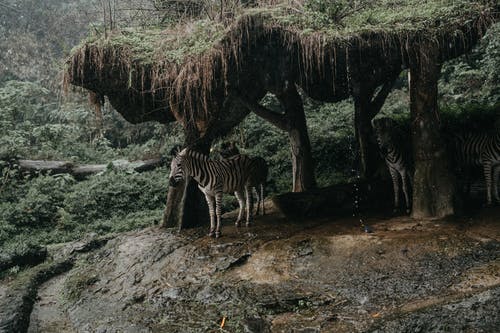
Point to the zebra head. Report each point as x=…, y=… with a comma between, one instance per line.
x=228, y=149
x=176, y=166
x=384, y=129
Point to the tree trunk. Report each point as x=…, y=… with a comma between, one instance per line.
x=186, y=206
x=292, y=121
x=366, y=107
x=172, y=214
x=433, y=189
x=97, y=100
x=302, y=160
x=369, y=157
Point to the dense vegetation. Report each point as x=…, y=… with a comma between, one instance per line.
x=37, y=123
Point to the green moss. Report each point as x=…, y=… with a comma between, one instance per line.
x=77, y=281
x=375, y=16
x=173, y=44
x=330, y=19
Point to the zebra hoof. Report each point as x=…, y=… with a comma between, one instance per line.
x=247, y=224
x=211, y=233
x=237, y=224
x=217, y=234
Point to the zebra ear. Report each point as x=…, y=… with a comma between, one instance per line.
x=174, y=151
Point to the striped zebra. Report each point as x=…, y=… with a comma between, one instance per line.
x=228, y=149
x=396, y=156
x=259, y=173
x=215, y=178
x=472, y=149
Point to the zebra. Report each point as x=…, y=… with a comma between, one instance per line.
x=258, y=176
x=482, y=149
x=228, y=149
x=215, y=178
x=259, y=173
x=396, y=156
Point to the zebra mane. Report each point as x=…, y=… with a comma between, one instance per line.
x=193, y=154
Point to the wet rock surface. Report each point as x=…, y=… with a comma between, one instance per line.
x=325, y=275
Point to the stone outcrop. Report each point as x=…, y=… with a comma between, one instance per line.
x=315, y=276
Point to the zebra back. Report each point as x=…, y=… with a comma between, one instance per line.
x=227, y=175
x=258, y=171
x=473, y=148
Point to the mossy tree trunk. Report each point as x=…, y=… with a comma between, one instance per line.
x=302, y=160
x=292, y=121
x=366, y=107
x=186, y=206
x=433, y=189
x=97, y=100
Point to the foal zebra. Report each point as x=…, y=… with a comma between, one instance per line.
x=215, y=178
x=259, y=172
x=480, y=149
x=397, y=157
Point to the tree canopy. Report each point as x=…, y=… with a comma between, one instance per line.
x=189, y=70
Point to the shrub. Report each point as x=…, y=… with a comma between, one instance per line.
x=39, y=206
x=116, y=193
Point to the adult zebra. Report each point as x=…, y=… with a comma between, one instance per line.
x=395, y=150
x=471, y=149
x=215, y=178
x=259, y=172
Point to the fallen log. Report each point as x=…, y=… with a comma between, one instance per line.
x=81, y=171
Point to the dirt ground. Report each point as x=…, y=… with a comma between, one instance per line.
x=322, y=275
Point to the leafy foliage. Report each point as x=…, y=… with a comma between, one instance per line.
x=35, y=124
x=475, y=77
x=116, y=194
x=49, y=209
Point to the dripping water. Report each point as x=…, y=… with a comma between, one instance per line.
x=356, y=175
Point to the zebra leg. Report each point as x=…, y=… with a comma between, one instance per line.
x=487, y=178
x=218, y=212
x=248, y=193
x=395, y=185
x=256, y=194
x=241, y=202
x=210, y=202
x=405, y=180
x=496, y=176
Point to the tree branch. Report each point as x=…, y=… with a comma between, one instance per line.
x=378, y=101
x=278, y=120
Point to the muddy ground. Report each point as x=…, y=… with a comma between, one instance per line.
x=323, y=275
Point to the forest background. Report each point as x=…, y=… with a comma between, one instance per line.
x=38, y=121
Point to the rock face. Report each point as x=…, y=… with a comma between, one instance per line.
x=276, y=276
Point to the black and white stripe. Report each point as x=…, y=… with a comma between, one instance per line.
x=472, y=149
x=215, y=177
x=258, y=177
x=396, y=156
x=258, y=173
